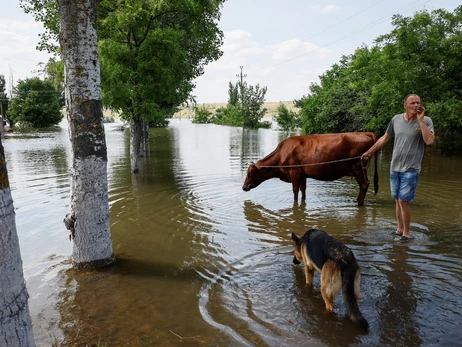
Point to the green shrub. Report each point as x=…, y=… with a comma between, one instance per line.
x=201, y=115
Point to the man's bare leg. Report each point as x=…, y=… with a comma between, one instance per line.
x=399, y=219
x=405, y=217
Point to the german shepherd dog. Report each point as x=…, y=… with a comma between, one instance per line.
x=338, y=267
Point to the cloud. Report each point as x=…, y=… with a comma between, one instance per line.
x=238, y=40
x=296, y=48
x=284, y=67
x=324, y=7
x=329, y=8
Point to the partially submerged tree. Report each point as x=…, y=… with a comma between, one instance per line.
x=287, y=119
x=36, y=102
x=15, y=320
x=244, y=108
x=152, y=51
x=88, y=218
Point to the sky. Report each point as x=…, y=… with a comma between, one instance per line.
x=284, y=45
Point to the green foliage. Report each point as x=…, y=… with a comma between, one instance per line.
x=366, y=89
x=229, y=115
x=54, y=70
x=448, y=115
x=287, y=119
x=244, y=107
x=233, y=94
x=152, y=51
x=252, y=100
x=3, y=96
x=36, y=102
x=46, y=12
x=24, y=127
x=202, y=115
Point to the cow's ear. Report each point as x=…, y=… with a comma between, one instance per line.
x=252, y=164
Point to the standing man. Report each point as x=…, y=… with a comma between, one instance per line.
x=412, y=130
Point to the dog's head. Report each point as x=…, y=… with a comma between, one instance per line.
x=297, y=255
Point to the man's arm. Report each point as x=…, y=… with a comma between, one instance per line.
x=379, y=144
x=427, y=135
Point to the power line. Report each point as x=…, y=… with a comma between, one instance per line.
x=343, y=21
x=368, y=26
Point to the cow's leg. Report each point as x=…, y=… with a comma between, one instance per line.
x=295, y=178
x=303, y=187
x=361, y=177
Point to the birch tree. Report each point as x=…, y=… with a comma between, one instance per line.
x=88, y=218
x=15, y=321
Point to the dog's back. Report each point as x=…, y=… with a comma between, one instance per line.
x=338, y=266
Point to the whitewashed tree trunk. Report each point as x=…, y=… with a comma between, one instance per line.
x=136, y=131
x=88, y=218
x=15, y=321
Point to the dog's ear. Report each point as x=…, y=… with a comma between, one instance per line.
x=295, y=238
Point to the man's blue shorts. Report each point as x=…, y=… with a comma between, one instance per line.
x=403, y=185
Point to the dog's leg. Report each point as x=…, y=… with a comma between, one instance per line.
x=309, y=273
x=331, y=283
x=357, y=284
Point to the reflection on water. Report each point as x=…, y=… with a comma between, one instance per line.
x=199, y=261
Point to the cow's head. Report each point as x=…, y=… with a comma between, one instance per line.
x=254, y=177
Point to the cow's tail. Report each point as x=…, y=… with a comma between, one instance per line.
x=348, y=293
x=376, y=175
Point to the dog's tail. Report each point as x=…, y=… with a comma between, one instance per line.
x=348, y=292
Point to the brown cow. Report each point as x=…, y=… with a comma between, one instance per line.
x=325, y=157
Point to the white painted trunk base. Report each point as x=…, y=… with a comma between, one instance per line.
x=15, y=321
x=90, y=211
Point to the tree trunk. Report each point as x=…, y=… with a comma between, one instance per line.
x=136, y=130
x=144, y=148
x=88, y=218
x=15, y=321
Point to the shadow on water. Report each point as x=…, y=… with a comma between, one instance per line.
x=201, y=262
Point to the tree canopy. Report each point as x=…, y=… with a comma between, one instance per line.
x=365, y=89
x=151, y=51
x=244, y=108
x=36, y=102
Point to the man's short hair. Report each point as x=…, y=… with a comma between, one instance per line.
x=407, y=96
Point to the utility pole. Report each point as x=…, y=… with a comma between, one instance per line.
x=241, y=75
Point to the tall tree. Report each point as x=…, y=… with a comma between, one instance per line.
x=151, y=53
x=3, y=96
x=420, y=55
x=15, y=321
x=88, y=218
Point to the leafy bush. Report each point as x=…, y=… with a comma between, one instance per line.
x=287, y=120
x=36, y=102
x=229, y=115
x=24, y=127
x=201, y=115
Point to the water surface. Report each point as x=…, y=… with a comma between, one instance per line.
x=201, y=262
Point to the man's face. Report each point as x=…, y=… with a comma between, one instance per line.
x=412, y=104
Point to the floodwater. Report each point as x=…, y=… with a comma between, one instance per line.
x=202, y=263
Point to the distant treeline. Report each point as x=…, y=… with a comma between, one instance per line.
x=422, y=55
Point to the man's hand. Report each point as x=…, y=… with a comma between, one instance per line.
x=365, y=156
x=421, y=113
